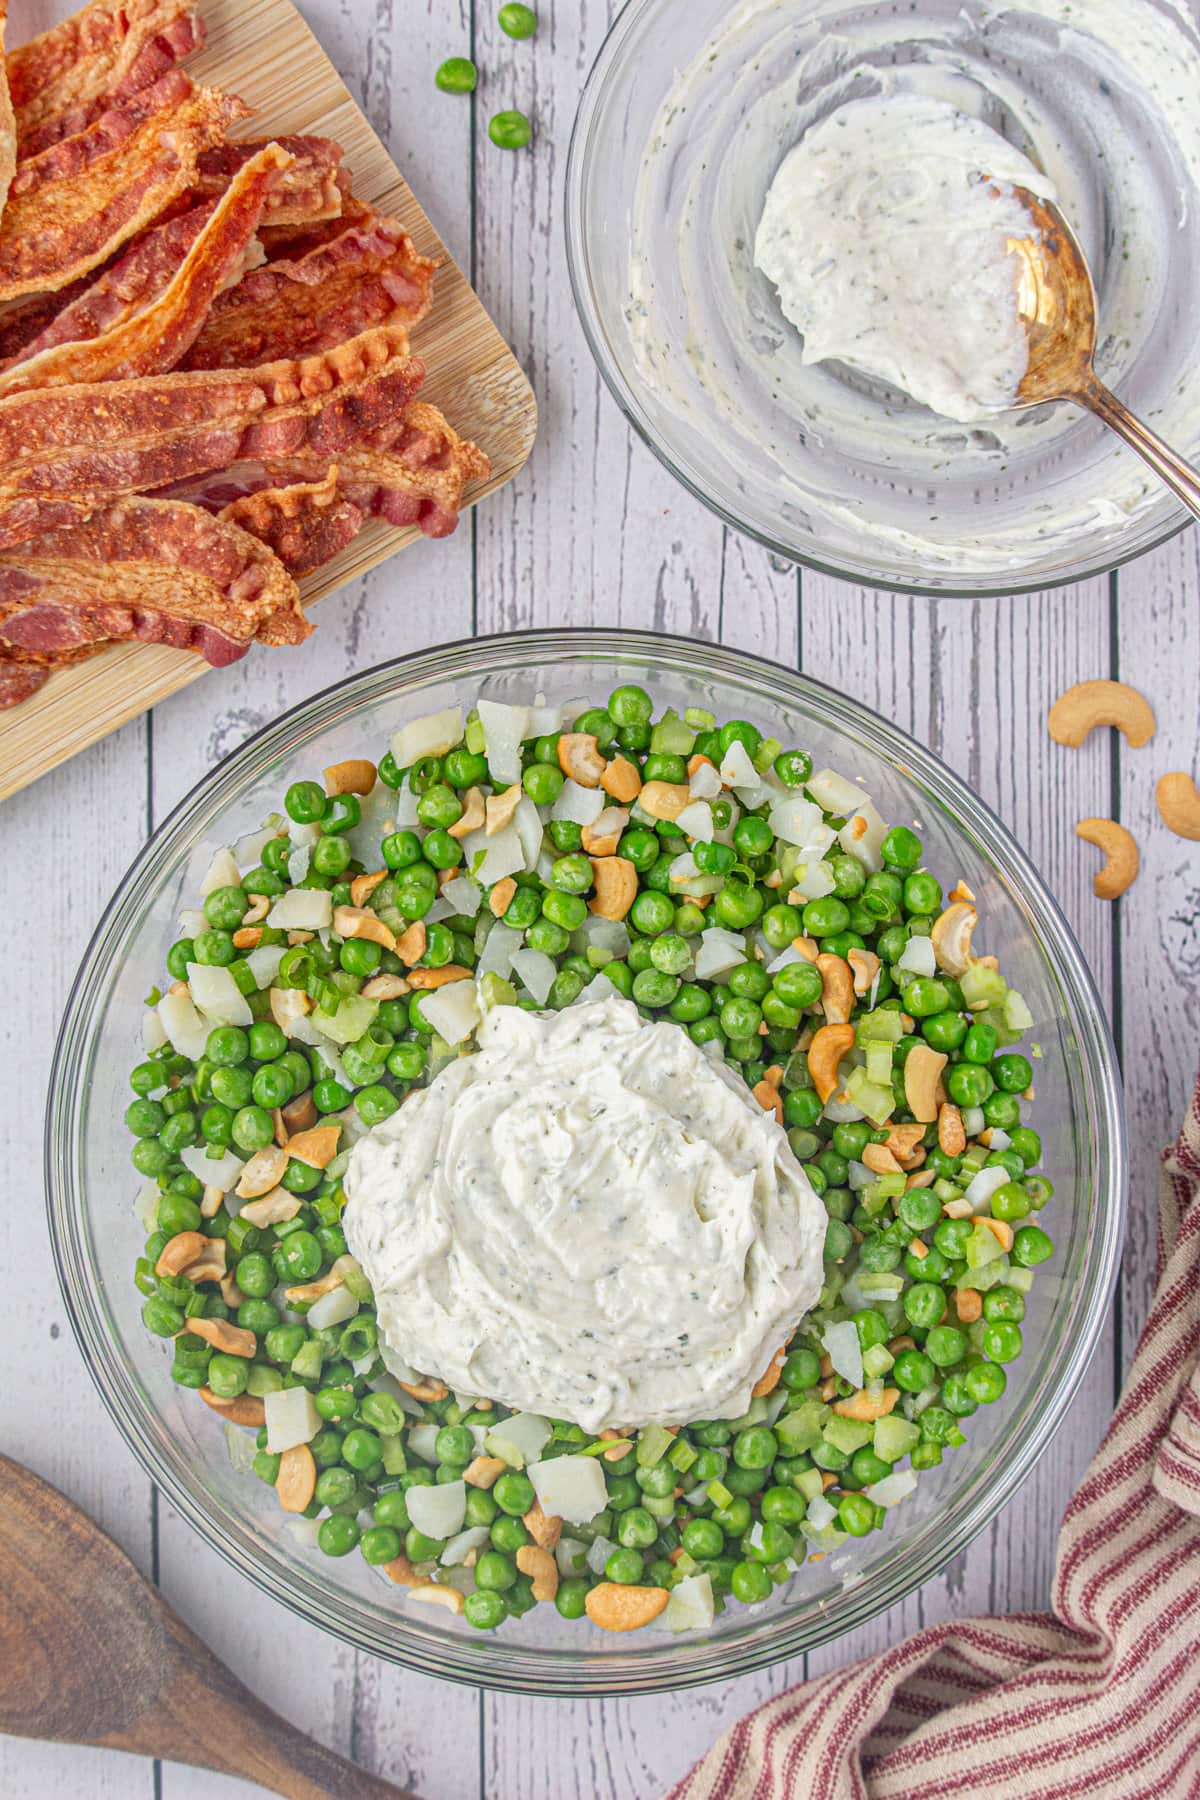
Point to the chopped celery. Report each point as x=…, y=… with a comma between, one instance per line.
x=766, y=753
x=653, y=1442
x=879, y=1063
x=983, y=987
x=895, y=1437
x=1017, y=1015
x=476, y=737
x=682, y=1456
x=847, y=1434
x=983, y=1246
x=1021, y=1279
x=875, y=1100
x=718, y=1493
x=699, y=719
x=801, y=1430
x=877, y=1361
x=883, y=1026
x=671, y=737
x=809, y=1483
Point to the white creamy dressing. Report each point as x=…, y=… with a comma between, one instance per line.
x=1101, y=96
x=587, y=1219
x=886, y=231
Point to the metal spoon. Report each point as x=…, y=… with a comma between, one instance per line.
x=1056, y=302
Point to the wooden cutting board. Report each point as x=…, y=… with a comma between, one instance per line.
x=263, y=50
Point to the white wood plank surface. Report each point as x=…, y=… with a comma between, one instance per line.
x=592, y=532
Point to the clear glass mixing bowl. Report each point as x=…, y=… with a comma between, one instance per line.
x=91, y=1184
x=688, y=112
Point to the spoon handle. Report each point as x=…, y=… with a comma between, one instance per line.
x=1167, y=464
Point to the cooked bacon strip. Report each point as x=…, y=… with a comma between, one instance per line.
x=156, y=570
x=100, y=303
x=418, y=481
x=156, y=58
x=72, y=207
x=305, y=523
x=292, y=242
x=8, y=123
x=311, y=191
x=18, y=680
x=153, y=340
x=84, y=446
x=106, y=52
x=368, y=275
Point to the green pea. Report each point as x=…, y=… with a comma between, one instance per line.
x=945, y=1345
x=494, y=1571
x=750, y=1583
x=455, y=1445
x=331, y=857
x=755, y=1448
x=375, y=1103
x=979, y=1045
x=518, y=21
x=513, y=1493
x=305, y=802
x=737, y=906
x=703, y=1538
x=1011, y=1073
x=509, y=131
x=924, y=1303
x=338, y=1534
x=968, y=1084
x=798, y=984
x=252, y=1129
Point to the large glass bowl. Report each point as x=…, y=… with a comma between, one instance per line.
x=96, y=1236
x=688, y=112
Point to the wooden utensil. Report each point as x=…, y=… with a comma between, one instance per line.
x=90, y=1653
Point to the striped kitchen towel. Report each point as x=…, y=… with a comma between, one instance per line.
x=1099, y=1698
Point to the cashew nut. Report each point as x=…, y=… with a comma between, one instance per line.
x=500, y=808
x=922, y=1072
x=768, y=1097
x=580, y=758
x=807, y=948
x=826, y=1051
x=500, y=898
x=356, y=776
x=363, y=886
x=880, y=1160
x=247, y=937
x=410, y=947
x=864, y=966
x=273, y=1209
x=428, y=1390
x=401, y=1571
x=483, y=1471
x=907, y=1144
x=615, y=881
x=621, y=780
x=230, y=1340
x=179, y=1251
x=430, y=1595
x=473, y=815
x=604, y=834
x=257, y=910
x=768, y=1381
x=1091, y=703
x=296, y=1479
x=317, y=1147
x=837, y=988
x=665, y=799
x=357, y=922
x=544, y=1528
x=968, y=1304
x=209, y=1265
x=1001, y=1230
x=951, y=938
x=1179, y=804
x=533, y=1560
x=616, y=1607
x=261, y=1172
x=308, y=1291
x=1121, y=855
x=865, y=1406
x=282, y=1134
x=382, y=987
x=952, y=1137
x=246, y=1409
x=424, y=979
x=231, y=1293
x=211, y=1204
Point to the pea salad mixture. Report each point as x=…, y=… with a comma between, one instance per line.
x=538, y=857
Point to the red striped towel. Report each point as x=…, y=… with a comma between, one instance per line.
x=1099, y=1698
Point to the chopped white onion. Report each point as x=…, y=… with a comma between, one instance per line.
x=974, y=1120
x=999, y=1139
x=499, y=947
x=490, y=859
x=611, y=935
x=299, y=858
x=813, y=880
x=842, y=1345
x=834, y=793
x=571, y=1556
x=291, y=1419
x=504, y=728
x=453, y=1011
x=525, y=1433
x=222, y=1172
x=739, y=773
x=438, y=1511
x=461, y=1545
x=705, y=784
x=691, y=1606
x=696, y=821
x=599, y=988
x=579, y=805
x=569, y=1487
x=248, y=850
x=462, y=895
x=217, y=995
x=599, y=1551
x=794, y=819
x=892, y=1488
x=536, y=971
x=790, y=955
x=154, y=1034
x=980, y=1190
x=263, y=962
x=917, y=957
x=186, y=1031
x=222, y=872
x=333, y=1308
x=145, y=1206
x=302, y=909
x=528, y=821
x=307, y=1532
x=192, y=921
x=432, y=735
x=719, y=950
x=863, y=834
x=819, y=1513
x=422, y=1441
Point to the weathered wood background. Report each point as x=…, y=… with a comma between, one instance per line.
x=592, y=532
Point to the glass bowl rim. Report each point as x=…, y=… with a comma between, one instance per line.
x=509, y=1666
x=579, y=158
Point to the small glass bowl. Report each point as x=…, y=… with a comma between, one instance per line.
x=96, y=1236
x=688, y=112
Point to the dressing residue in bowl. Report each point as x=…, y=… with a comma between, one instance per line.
x=588, y=1218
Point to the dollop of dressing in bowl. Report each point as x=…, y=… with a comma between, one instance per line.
x=886, y=231
x=587, y=1219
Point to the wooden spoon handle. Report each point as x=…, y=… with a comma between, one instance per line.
x=207, y=1717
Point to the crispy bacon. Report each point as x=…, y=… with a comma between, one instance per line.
x=368, y=275
x=294, y=241
x=418, y=480
x=106, y=52
x=84, y=446
x=311, y=191
x=8, y=123
x=305, y=523
x=156, y=58
x=156, y=570
x=72, y=207
x=153, y=339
